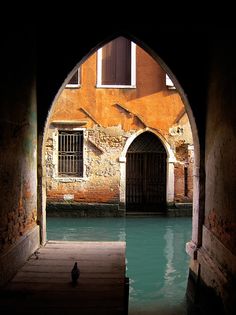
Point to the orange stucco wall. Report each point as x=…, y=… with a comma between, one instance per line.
x=151, y=100
x=110, y=116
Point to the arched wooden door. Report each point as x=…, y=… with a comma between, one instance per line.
x=146, y=174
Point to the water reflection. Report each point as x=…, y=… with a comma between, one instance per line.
x=157, y=264
x=86, y=229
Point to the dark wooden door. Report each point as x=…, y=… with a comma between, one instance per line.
x=146, y=180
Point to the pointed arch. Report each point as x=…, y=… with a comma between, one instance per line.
x=197, y=209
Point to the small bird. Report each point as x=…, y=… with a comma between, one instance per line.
x=75, y=273
x=36, y=254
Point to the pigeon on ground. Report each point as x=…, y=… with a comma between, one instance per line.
x=75, y=273
x=36, y=254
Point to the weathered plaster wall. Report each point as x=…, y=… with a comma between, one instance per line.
x=102, y=170
x=220, y=212
x=110, y=117
x=18, y=149
x=150, y=96
x=215, y=266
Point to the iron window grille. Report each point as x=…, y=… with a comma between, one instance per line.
x=70, y=153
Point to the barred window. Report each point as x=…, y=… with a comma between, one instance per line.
x=70, y=153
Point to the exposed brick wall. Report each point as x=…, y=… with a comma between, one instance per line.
x=183, y=173
x=18, y=170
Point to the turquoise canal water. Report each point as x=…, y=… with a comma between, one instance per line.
x=157, y=264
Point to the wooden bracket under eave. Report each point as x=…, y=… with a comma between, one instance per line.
x=96, y=146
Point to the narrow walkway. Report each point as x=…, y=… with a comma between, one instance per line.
x=43, y=286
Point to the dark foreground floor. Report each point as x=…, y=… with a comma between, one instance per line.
x=43, y=286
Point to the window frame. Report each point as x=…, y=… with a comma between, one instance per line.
x=115, y=86
x=56, y=154
x=169, y=83
x=75, y=85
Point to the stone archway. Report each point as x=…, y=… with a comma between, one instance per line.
x=197, y=231
x=170, y=160
x=146, y=174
